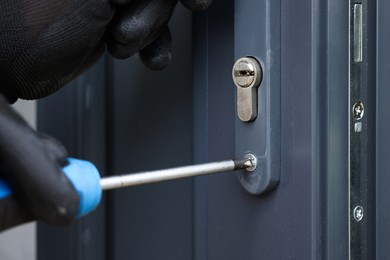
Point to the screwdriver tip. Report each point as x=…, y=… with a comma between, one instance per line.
x=248, y=163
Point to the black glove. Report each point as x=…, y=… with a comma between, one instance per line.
x=47, y=43
x=31, y=163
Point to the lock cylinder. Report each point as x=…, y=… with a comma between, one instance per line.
x=247, y=75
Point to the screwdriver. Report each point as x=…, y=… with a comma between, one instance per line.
x=86, y=178
x=176, y=173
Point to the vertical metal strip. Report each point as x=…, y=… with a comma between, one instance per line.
x=200, y=134
x=358, y=130
x=261, y=137
x=109, y=145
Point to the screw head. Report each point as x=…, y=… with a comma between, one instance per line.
x=358, y=110
x=253, y=160
x=246, y=72
x=358, y=213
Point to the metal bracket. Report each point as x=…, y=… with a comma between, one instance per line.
x=358, y=130
x=261, y=136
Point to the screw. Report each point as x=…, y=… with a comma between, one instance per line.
x=358, y=110
x=244, y=72
x=358, y=213
x=253, y=162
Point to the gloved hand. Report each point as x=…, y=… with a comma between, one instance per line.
x=47, y=43
x=32, y=164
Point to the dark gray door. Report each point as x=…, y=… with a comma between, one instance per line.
x=125, y=119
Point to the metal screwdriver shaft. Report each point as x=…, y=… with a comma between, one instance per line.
x=249, y=162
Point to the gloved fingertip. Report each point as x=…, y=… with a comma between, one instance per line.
x=196, y=5
x=121, y=51
x=54, y=149
x=64, y=213
x=141, y=21
x=56, y=200
x=158, y=54
x=156, y=61
x=126, y=30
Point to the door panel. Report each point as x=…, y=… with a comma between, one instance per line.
x=187, y=114
x=276, y=225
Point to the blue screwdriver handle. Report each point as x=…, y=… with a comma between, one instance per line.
x=85, y=178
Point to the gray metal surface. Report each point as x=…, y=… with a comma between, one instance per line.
x=308, y=212
x=152, y=118
x=334, y=110
x=261, y=137
x=241, y=226
x=200, y=136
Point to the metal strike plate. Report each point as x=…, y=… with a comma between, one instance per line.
x=358, y=131
x=247, y=75
x=259, y=42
